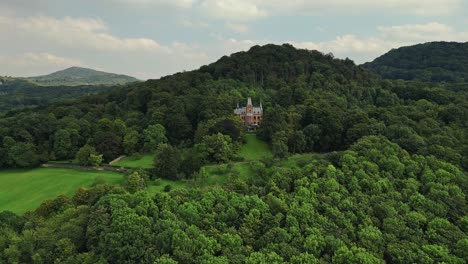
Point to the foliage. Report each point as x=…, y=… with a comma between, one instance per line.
x=154, y=135
x=167, y=162
x=135, y=182
x=86, y=156
x=95, y=160
x=433, y=61
x=17, y=93
x=279, y=144
x=81, y=76
x=373, y=203
x=217, y=148
x=389, y=186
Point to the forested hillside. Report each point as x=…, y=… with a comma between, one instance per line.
x=388, y=183
x=81, y=76
x=433, y=61
x=16, y=93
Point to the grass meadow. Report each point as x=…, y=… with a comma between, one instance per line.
x=24, y=190
x=136, y=161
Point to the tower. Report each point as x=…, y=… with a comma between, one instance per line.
x=249, y=108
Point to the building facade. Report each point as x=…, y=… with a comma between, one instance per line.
x=251, y=115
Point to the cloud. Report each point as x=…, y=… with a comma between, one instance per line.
x=76, y=32
x=238, y=28
x=423, y=32
x=33, y=63
x=232, y=10
x=244, y=10
x=360, y=48
x=175, y=3
x=185, y=22
x=47, y=58
x=93, y=42
x=366, y=48
x=415, y=7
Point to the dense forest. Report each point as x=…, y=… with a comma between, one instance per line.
x=433, y=61
x=80, y=76
x=389, y=185
x=17, y=93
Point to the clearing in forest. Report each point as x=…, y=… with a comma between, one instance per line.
x=24, y=190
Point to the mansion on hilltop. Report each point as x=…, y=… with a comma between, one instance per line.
x=252, y=115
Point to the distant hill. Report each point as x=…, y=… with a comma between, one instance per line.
x=18, y=92
x=433, y=61
x=81, y=76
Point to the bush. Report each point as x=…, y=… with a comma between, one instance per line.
x=157, y=182
x=167, y=188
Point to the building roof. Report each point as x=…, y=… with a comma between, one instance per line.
x=243, y=110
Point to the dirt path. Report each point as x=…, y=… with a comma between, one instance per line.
x=117, y=159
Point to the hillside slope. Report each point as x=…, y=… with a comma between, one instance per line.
x=16, y=93
x=81, y=76
x=383, y=179
x=433, y=61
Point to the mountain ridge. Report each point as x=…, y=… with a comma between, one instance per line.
x=75, y=75
x=432, y=61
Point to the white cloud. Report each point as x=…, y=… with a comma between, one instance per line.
x=242, y=10
x=238, y=28
x=232, y=10
x=176, y=3
x=366, y=48
x=76, y=32
x=47, y=58
x=359, y=48
x=92, y=40
x=423, y=32
x=37, y=63
x=416, y=7
x=193, y=24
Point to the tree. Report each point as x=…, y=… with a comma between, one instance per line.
x=154, y=135
x=279, y=144
x=109, y=145
x=8, y=143
x=312, y=135
x=297, y=142
x=217, y=148
x=62, y=144
x=24, y=155
x=131, y=142
x=167, y=162
x=83, y=156
x=231, y=126
x=95, y=159
x=274, y=120
x=135, y=182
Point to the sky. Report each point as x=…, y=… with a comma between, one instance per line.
x=153, y=38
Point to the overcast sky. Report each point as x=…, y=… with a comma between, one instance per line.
x=153, y=38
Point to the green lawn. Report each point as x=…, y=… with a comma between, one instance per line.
x=159, y=185
x=254, y=149
x=136, y=161
x=24, y=190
